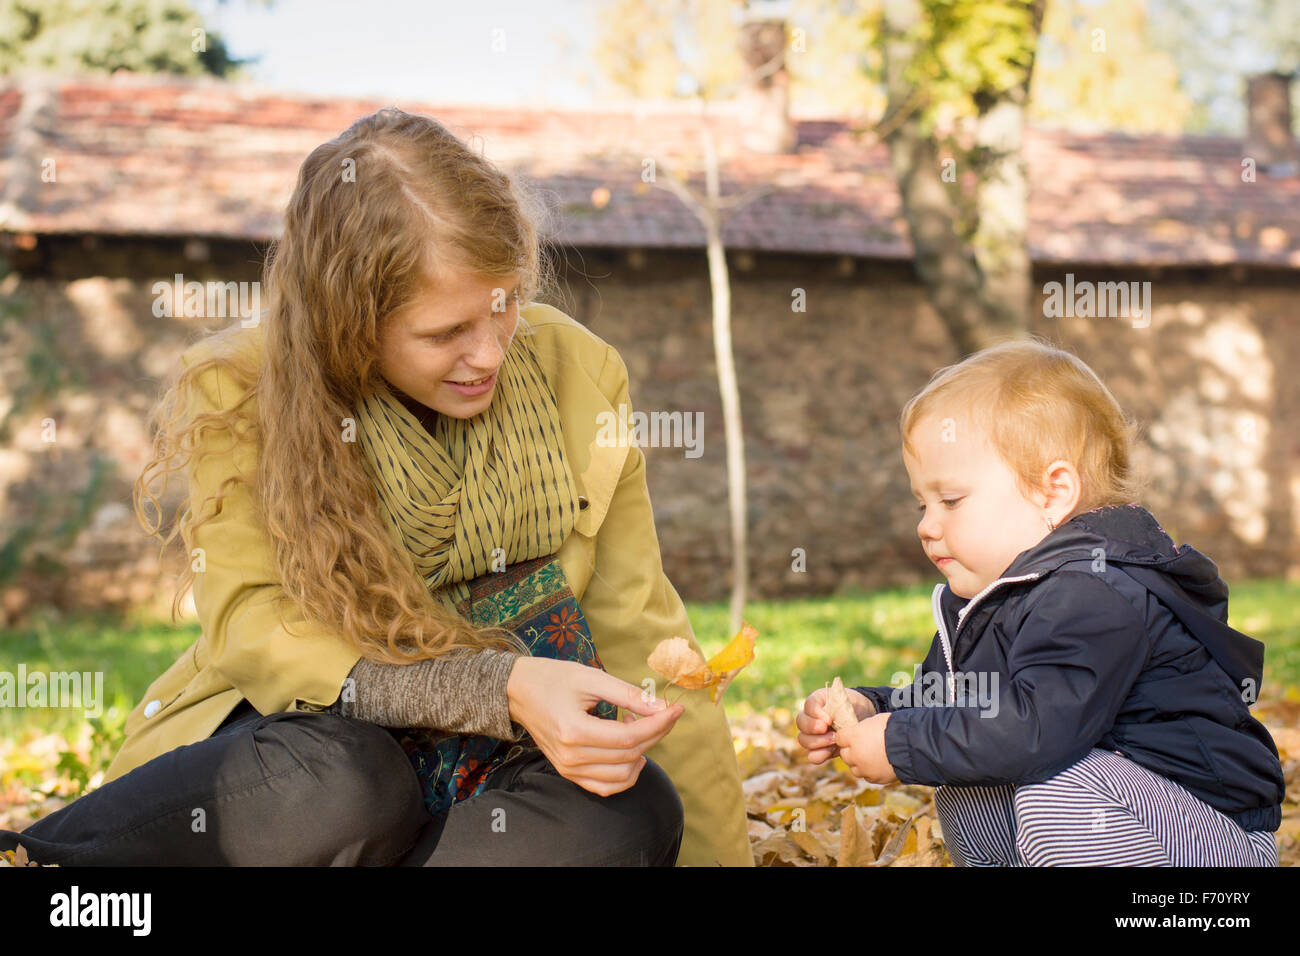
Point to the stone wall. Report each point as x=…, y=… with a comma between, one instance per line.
x=1211, y=380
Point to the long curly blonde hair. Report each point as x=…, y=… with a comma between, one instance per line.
x=376, y=210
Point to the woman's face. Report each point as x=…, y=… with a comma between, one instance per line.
x=456, y=333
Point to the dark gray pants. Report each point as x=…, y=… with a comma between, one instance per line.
x=308, y=789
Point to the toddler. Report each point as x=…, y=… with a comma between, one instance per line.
x=1084, y=701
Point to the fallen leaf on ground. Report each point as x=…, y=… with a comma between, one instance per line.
x=18, y=857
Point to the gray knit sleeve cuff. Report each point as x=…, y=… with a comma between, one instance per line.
x=463, y=692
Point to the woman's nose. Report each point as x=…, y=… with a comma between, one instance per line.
x=489, y=349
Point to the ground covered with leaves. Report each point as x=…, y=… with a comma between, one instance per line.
x=803, y=814
x=800, y=814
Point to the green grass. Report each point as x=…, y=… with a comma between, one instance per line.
x=864, y=638
x=129, y=652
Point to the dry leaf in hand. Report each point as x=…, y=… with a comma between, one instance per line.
x=731, y=660
x=841, y=709
x=676, y=660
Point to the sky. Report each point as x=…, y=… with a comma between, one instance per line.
x=517, y=52
x=526, y=53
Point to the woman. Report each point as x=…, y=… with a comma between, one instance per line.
x=417, y=570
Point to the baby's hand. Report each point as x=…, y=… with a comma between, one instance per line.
x=816, y=734
x=862, y=747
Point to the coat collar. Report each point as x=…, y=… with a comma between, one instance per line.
x=1123, y=534
x=1126, y=534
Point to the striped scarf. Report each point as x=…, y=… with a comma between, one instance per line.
x=478, y=494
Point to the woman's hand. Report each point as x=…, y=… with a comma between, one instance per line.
x=814, y=724
x=551, y=699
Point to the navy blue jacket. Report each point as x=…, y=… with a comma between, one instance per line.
x=1086, y=656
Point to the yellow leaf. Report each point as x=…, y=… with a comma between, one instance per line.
x=818, y=810
x=729, y=661
x=868, y=798
x=675, y=659
x=738, y=652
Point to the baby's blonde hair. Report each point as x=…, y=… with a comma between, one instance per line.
x=1037, y=403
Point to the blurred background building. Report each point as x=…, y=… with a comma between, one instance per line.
x=110, y=184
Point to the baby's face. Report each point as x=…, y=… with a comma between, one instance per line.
x=971, y=511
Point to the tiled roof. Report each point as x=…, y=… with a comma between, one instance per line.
x=146, y=155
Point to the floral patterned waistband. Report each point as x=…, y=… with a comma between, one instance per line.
x=533, y=599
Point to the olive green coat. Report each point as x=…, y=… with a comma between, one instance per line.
x=611, y=559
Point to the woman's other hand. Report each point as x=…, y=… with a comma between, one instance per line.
x=551, y=699
x=815, y=733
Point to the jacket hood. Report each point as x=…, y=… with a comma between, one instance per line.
x=1128, y=534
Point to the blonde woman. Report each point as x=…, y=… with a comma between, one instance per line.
x=425, y=588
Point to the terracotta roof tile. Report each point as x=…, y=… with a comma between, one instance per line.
x=149, y=155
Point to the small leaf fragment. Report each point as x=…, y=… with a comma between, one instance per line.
x=841, y=709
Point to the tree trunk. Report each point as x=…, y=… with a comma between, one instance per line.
x=720, y=283
x=981, y=285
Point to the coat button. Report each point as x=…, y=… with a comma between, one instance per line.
x=152, y=707
x=582, y=502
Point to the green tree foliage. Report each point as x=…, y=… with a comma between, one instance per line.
x=964, y=54
x=77, y=37
x=1099, y=68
